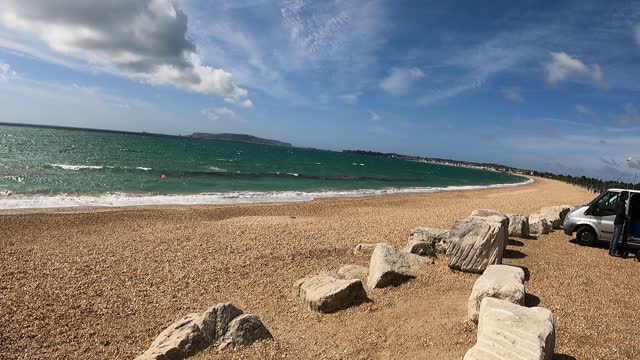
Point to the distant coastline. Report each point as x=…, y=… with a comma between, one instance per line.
x=242, y=138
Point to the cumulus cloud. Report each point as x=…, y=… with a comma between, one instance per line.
x=581, y=109
x=246, y=103
x=400, y=80
x=562, y=67
x=629, y=117
x=513, y=94
x=221, y=114
x=145, y=40
x=5, y=72
x=351, y=98
x=374, y=116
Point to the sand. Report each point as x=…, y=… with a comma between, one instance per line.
x=101, y=284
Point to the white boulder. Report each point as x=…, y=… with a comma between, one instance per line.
x=390, y=266
x=494, y=216
x=475, y=244
x=498, y=281
x=508, y=331
x=326, y=294
x=436, y=237
x=192, y=333
x=518, y=225
x=555, y=214
x=244, y=330
x=539, y=225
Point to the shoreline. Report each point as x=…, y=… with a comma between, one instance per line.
x=120, y=200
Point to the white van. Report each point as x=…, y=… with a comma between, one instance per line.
x=594, y=222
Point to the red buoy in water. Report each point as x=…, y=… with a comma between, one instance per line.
x=163, y=177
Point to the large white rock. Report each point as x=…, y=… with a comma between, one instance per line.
x=474, y=244
x=539, y=225
x=555, y=214
x=192, y=333
x=494, y=216
x=498, y=281
x=518, y=225
x=508, y=331
x=390, y=266
x=244, y=330
x=437, y=238
x=326, y=294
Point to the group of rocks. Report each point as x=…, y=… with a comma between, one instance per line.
x=506, y=328
x=222, y=324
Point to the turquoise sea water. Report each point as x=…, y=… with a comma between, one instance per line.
x=54, y=162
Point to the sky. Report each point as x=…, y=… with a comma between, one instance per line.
x=544, y=85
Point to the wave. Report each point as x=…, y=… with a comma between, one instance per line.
x=121, y=200
x=217, y=169
x=144, y=168
x=76, y=167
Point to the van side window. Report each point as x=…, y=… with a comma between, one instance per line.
x=606, y=205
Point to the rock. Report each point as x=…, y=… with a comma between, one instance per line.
x=327, y=294
x=555, y=214
x=421, y=248
x=192, y=333
x=498, y=281
x=244, y=330
x=389, y=266
x=539, y=225
x=508, y=331
x=364, y=249
x=518, y=225
x=353, y=272
x=475, y=244
x=494, y=216
x=436, y=237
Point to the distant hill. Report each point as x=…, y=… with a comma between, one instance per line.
x=239, y=138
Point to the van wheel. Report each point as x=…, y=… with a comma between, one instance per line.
x=586, y=236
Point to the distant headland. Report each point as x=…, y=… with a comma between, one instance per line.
x=243, y=138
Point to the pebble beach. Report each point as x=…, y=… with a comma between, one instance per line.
x=102, y=283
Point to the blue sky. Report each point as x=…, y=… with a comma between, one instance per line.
x=548, y=85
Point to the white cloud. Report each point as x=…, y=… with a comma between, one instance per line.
x=221, y=114
x=351, y=98
x=6, y=72
x=513, y=94
x=145, y=40
x=374, y=116
x=562, y=67
x=246, y=103
x=629, y=117
x=636, y=33
x=400, y=80
x=581, y=109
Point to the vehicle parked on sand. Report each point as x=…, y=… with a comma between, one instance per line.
x=594, y=222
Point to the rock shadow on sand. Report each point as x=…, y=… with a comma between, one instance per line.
x=513, y=242
x=513, y=254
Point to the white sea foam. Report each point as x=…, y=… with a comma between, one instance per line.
x=143, y=168
x=76, y=167
x=118, y=199
x=217, y=169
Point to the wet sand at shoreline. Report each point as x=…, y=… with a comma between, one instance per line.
x=103, y=283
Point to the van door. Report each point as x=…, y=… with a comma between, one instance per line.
x=604, y=213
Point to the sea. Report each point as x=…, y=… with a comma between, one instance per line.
x=51, y=168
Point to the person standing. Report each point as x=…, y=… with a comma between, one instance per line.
x=618, y=223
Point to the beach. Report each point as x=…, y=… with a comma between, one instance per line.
x=103, y=283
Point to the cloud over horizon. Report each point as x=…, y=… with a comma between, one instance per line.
x=400, y=80
x=563, y=67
